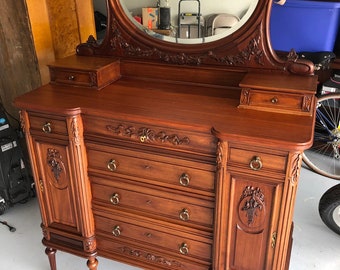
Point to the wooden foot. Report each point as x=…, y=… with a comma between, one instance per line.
x=50, y=252
x=92, y=263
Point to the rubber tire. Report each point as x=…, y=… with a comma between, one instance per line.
x=329, y=202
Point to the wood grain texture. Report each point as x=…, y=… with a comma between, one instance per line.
x=18, y=63
x=190, y=159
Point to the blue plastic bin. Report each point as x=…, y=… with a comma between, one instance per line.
x=304, y=25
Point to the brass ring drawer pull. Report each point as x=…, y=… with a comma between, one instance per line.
x=256, y=163
x=184, y=180
x=47, y=128
x=184, y=214
x=71, y=78
x=116, y=231
x=115, y=199
x=183, y=249
x=112, y=165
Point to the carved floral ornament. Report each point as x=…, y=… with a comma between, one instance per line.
x=119, y=44
x=54, y=161
x=250, y=49
x=251, y=204
x=90, y=244
x=151, y=257
x=144, y=134
x=253, y=50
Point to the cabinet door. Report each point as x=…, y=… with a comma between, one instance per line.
x=59, y=165
x=248, y=207
x=253, y=223
x=55, y=185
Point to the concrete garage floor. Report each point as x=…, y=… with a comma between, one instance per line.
x=314, y=246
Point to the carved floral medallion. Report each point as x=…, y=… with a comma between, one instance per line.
x=252, y=207
x=57, y=168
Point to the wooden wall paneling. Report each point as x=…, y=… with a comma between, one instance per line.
x=42, y=35
x=19, y=72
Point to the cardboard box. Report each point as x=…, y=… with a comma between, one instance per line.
x=150, y=17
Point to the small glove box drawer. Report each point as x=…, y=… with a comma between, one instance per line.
x=83, y=71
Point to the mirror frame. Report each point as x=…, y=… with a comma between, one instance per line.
x=248, y=47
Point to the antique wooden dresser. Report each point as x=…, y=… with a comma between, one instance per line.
x=166, y=155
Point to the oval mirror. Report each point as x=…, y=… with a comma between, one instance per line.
x=189, y=21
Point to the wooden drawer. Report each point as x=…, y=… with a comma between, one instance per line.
x=202, y=143
x=72, y=77
x=41, y=124
x=257, y=161
x=276, y=101
x=157, y=169
x=158, y=237
x=146, y=200
x=146, y=257
x=94, y=72
x=283, y=93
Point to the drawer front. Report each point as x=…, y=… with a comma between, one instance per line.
x=265, y=100
x=257, y=161
x=160, y=170
x=158, y=237
x=154, y=203
x=45, y=124
x=202, y=143
x=73, y=77
x=288, y=101
x=146, y=257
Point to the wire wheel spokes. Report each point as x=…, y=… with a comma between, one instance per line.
x=324, y=156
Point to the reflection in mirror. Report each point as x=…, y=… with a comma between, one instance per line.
x=191, y=21
x=183, y=21
x=100, y=18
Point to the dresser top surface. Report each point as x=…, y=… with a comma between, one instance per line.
x=177, y=105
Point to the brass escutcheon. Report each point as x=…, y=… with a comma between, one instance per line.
x=142, y=138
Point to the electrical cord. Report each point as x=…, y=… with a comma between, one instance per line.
x=11, y=228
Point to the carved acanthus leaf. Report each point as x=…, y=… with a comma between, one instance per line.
x=295, y=169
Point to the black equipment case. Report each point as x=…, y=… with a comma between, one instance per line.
x=16, y=185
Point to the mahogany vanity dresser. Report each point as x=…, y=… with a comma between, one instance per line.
x=169, y=155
